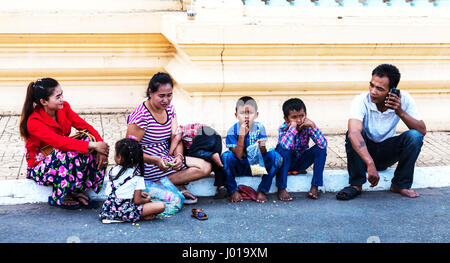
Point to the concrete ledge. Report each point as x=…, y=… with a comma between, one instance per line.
x=26, y=191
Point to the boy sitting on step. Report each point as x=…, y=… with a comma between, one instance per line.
x=293, y=145
x=242, y=134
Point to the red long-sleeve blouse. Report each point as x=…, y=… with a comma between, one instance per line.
x=44, y=130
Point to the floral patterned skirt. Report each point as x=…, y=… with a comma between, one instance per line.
x=68, y=172
x=121, y=209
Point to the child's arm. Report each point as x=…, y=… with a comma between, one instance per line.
x=239, y=149
x=140, y=197
x=314, y=133
x=262, y=138
x=318, y=137
x=307, y=123
x=262, y=146
x=286, y=136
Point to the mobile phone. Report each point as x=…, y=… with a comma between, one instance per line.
x=394, y=91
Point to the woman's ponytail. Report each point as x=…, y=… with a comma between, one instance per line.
x=27, y=109
x=41, y=89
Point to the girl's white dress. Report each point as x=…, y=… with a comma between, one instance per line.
x=120, y=205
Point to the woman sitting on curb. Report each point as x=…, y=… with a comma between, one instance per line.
x=152, y=124
x=47, y=120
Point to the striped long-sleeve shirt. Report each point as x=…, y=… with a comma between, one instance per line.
x=291, y=139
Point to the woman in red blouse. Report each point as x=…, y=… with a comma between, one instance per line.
x=47, y=120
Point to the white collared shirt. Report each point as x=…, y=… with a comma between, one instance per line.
x=378, y=125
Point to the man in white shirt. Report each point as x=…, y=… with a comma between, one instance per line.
x=371, y=144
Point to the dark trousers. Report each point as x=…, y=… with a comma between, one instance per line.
x=207, y=142
x=403, y=149
x=241, y=167
x=313, y=155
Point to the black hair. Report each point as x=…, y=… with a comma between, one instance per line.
x=293, y=104
x=389, y=71
x=157, y=80
x=246, y=100
x=40, y=89
x=131, y=156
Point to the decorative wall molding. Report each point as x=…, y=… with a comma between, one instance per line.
x=216, y=59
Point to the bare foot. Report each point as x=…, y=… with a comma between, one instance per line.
x=81, y=197
x=216, y=158
x=236, y=197
x=261, y=197
x=283, y=195
x=188, y=195
x=149, y=217
x=314, y=192
x=405, y=192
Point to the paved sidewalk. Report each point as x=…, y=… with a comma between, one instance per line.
x=112, y=127
x=374, y=216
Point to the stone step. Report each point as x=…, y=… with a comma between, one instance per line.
x=26, y=191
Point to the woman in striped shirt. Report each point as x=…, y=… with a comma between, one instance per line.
x=153, y=123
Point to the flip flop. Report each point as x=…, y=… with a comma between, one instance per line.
x=347, y=193
x=199, y=214
x=245, y=196
x=52, y=202
x=91, y=204
x=189, y=201
x=247, y=192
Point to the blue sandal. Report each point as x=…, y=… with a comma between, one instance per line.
x=199, y=214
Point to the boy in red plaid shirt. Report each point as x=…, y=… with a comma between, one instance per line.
x=293, y=145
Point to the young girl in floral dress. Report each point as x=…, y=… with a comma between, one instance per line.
x=126, y=201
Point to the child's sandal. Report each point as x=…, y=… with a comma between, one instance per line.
x=199, y=214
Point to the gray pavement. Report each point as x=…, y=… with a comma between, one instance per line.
x=379, y=216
